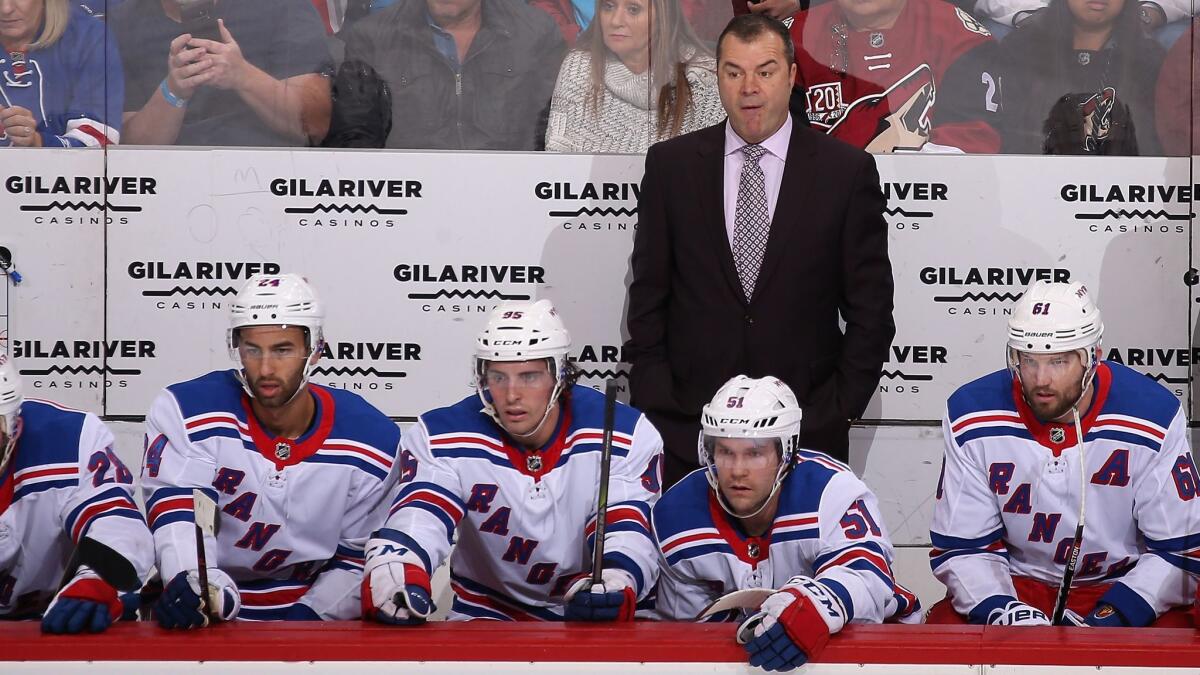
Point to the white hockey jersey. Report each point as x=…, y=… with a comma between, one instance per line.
x=63, y=481
x=521, y=516
x=294, y=515
x=1008, y=499
x=827, y=527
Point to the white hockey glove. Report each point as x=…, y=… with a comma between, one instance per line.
x=396, y=588
x=179, y=605
x=1017, y=613
x=793, y=625
x=613, y=599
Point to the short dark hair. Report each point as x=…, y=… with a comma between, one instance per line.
x=747, y=27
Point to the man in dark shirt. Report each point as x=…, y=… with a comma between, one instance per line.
x=463, y=74
x=260, y=80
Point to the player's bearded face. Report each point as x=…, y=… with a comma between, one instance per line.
x=1052, y=383
x=273, y=359
x=520, y=392
x=746, y=469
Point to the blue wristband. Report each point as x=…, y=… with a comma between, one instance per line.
x=174, y=100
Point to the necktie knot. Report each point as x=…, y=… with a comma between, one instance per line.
x=753, y=152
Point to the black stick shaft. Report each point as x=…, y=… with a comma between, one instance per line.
x=1060, y=603
x=610, y=406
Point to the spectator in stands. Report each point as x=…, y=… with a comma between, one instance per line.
x=231, y=73
x=1154, y=14
x=1079, y=80
x=706, y=17
x=62, y=77
x=898, y=75
x=463, y=74
x=638, y=76
x=1178, y=91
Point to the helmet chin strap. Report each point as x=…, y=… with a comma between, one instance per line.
x=490, y=408
x=712, y=480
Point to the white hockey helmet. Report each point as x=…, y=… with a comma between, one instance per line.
x=1056, y=317
x=277, y=300
x=522, y=331
x=10, y=406
x=745, y=407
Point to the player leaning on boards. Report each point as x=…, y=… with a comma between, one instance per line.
x=776, y=517
x=517, y=477
x=1016, y=483
x=61, y=484
x=301, y=473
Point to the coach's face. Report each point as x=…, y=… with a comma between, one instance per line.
x=755, y=81
x=520, y=393
x=1052, y=383
x=273, y=359
x=746, y=469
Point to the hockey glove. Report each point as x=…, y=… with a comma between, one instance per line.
x=395, y=586
x=903, y=607
x=86, y=603
x=613, y=599
x=793, y=625
x=179, y=605
x=1017, y=613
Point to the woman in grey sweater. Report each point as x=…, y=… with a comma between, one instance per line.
x=637, y=75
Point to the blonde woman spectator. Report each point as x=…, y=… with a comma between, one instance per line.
x=638, y=75
x=62, y=84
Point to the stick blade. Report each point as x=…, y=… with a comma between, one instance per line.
x=747, y=598
x=205, y=510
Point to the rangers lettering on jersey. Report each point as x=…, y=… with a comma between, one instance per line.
x=521, y=524
x=294, y=514
x=1008, y=499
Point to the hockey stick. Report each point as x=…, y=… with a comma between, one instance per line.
x=1064, y=590
x=610, y=407
x=205, y=513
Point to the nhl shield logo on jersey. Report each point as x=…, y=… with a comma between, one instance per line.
x=283, y=450
x=1058, y=435
x=533, y=462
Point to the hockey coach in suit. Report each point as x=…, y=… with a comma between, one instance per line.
x=754, y=235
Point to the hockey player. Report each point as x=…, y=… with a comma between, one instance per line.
x=1016, y=482
x=301, y=473
x=517, y=479
x=60, y=481
x=763, y=513
x=898, y=75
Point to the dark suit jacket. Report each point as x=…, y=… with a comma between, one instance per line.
x=690, y=325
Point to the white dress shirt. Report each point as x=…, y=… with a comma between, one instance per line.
x=771, y=162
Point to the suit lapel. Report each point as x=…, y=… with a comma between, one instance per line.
x=712, y=202
x=793, y=190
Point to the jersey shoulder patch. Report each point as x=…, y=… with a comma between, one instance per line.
x=971, y=24
x=49, y=434
x=683, y=507
x=219, y=390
